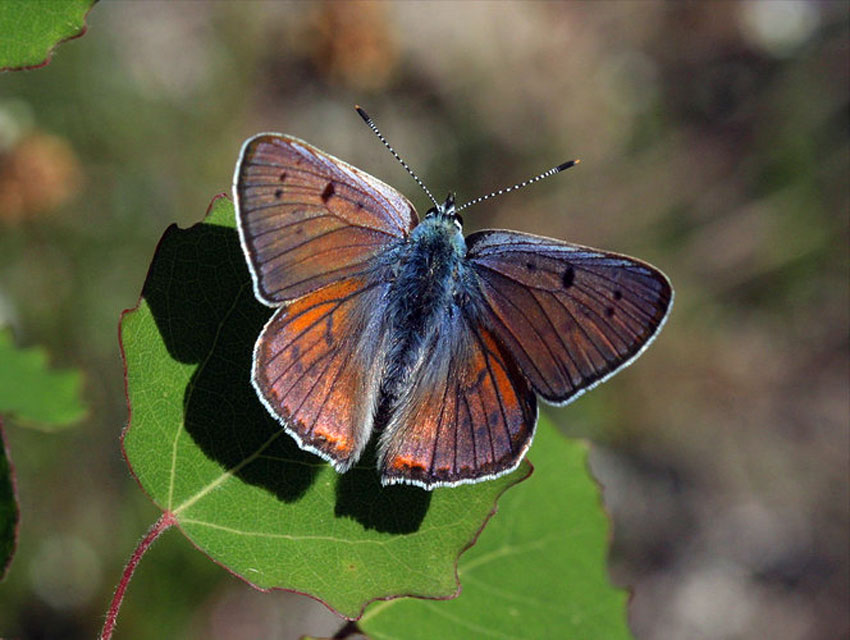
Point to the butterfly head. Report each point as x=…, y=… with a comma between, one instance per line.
x=446, y=212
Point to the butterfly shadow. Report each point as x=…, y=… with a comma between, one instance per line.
x=200, y=295
x=393, y=509
x=199, y=292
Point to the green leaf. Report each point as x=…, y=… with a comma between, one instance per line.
x=537, y=571
x=8, y=507
x=32, y=392
x=31, y=29
x=204, y=448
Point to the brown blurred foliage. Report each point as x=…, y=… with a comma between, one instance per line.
x=352, y=44
x=37, y=175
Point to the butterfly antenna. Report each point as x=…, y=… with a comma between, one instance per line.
x=545, y=174
x=374, y=128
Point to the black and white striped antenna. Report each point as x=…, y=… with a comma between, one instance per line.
x=374, y=128
x=465, y=205
x=519, y=185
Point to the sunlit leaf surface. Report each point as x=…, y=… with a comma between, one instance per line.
x=538, y=569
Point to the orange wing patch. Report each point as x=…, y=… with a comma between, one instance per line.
x=314, y=371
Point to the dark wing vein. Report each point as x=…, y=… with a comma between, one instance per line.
x=489, y=435
x=631, y=335
x=312, y=277
x=295, y=247
x=329, y=392
x=439, y=426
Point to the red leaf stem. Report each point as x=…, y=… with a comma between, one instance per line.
x=165, y=521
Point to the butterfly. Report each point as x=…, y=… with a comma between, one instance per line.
x=438, y=344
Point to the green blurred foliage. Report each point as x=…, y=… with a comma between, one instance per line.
x=714, y=144
x=32, y=393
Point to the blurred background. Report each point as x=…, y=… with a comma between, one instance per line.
x=714, y=144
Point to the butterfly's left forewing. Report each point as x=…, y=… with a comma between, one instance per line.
x=307, y=219
x=313, y=229
x=571, y=316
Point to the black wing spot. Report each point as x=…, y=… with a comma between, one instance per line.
x=530, y=266
x=618, y=295
x=283, y=176
x=568, y=277
x=278, y=193
x=359, y=205
x=609, y=311
x=328, y=192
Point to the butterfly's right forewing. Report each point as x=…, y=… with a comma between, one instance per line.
x=307, y=219
x=570, y=315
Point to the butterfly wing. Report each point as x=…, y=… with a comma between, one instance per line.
x=315, y=369
x=468, y=416
x=307, y=219
x=571, y=316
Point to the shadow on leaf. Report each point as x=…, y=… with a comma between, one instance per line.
x=394, y=509
x=201, y=298
x=199, y=292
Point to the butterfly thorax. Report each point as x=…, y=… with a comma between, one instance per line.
x=423, y=294
x=426, y=268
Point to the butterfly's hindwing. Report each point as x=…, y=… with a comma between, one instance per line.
x=468, y=415
x=316, y=369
